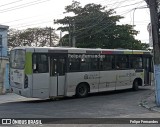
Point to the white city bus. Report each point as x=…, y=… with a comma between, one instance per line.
x=47, y=72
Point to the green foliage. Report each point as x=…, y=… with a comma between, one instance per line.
x=32, y=37
x=96, y=27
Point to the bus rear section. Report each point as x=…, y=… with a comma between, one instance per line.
x=36, y=73
x=29, y=73
x=18, y=78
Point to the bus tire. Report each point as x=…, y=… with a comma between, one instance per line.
x=82, y=90
x=135, y=85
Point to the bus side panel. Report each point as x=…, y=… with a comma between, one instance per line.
x=138, y=73
x=53, y=86
x=28, y=71
x=73, y=79
x=123, y=79
x=57, y=81
x=41, y=85
x=107, y=80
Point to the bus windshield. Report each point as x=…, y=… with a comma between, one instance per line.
x=17, y=59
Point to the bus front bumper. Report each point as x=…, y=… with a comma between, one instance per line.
x=21, y=92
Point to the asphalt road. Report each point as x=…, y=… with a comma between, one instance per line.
x=115, y=104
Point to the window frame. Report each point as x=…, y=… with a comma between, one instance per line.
x=58, y=56
x=80, y=69
x=131, y=61
x=113, y=63
x=127, y=63
x=39, y=54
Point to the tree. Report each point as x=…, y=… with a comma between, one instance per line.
x=96, y=27
x=32, y=37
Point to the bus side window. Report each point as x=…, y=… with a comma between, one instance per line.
x=89, y=64
x=136, y=62
x=74, y=64
x=40, y=63
x=107, y=63
x=122, y=62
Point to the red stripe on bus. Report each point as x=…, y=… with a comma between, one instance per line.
x=107, y=52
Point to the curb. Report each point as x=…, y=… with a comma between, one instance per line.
x=145, y=104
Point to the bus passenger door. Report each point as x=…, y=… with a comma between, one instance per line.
x=57, y=75
x=40, y=87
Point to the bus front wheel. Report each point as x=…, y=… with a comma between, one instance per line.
x=82, y=90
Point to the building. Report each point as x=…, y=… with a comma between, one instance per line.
x=3, y=58
x=3, y=40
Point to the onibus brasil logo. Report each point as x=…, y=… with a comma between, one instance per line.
x=20, y=121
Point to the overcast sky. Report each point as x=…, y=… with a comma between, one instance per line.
x=22, y=14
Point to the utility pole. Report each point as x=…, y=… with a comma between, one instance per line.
x=50, y=36
x=153, y=5
x=133, y=25
x=60, y=38
x=73, y=37
x=70, y=44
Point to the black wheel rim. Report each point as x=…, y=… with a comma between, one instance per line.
x=82, y=90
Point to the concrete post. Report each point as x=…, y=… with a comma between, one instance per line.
x=156, y=45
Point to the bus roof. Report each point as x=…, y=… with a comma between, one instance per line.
x=83, y=50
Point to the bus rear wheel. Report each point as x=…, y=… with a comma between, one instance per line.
x=135, y=85
x=82, y=90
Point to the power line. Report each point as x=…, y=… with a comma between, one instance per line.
x=23, y=6
x=99, y=30
x=34, y=24
x=34, y=1
x=104, y=17
x=30, y=17
x=10, y=3
x=80, y=29
x=129, y=5
x=129, y=10
x=119, y=3
x=20, y=19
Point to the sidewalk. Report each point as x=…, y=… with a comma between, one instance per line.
x=11, y=97
x=149, y=102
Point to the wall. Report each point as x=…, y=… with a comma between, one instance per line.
x=3, y=63
x=4, y=47
x=3, y=58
